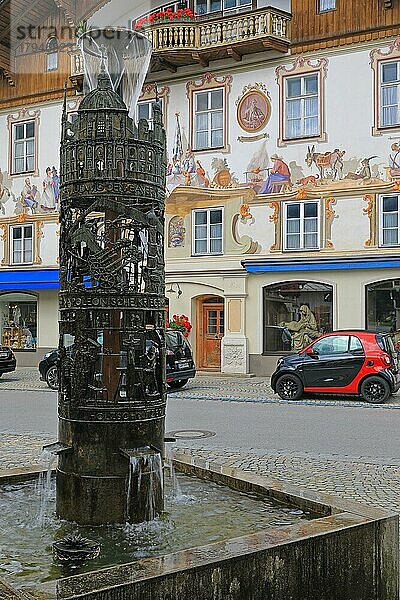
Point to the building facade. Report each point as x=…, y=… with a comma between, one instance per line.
x=283, y=127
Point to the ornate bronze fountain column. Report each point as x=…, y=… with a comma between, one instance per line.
x=112, y=301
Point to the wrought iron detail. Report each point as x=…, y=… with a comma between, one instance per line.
x=112, y=296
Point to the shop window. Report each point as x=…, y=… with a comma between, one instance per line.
x=21, y=244
x=18, y=321
x=301, y=225
x=389, y=220
x=207, y=231
x=383, y=307
x=23, y=147
x=295, y=313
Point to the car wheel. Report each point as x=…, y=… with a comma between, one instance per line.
x=178, y=383
x=289, y=387
x=375, y=390
x=52, y=377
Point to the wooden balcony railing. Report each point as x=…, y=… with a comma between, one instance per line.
x=266, y=23
x=184, y=43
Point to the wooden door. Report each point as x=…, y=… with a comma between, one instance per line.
x=213, y=331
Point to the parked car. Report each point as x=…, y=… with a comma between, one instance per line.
x=8, y=361
x=179, y=362
x=356, y=362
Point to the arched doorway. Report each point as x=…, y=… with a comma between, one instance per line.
x=210, y=331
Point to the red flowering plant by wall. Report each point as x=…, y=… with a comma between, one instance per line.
x=180, y=323
x=166, y=16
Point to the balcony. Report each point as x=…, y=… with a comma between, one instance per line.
x=186, y=43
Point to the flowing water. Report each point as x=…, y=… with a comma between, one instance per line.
x=196, y=513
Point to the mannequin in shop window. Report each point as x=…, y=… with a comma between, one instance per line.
x=303, y=331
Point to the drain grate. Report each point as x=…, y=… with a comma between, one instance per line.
x=191, y=434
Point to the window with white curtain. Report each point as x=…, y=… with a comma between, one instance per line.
x=208, y=126
x=301, y=225
x=326, y=5
x=389, y=220
x=207, y=231
x=302, y=106
x=21, y=244
x=23, y=147
x=389, y=112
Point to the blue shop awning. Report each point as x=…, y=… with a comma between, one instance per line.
x=33, y=279
x=282, y=264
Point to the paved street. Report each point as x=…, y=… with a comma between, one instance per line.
x=338, y=446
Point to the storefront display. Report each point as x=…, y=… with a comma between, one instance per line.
x=383, y=307
x=295, y=313
x=18, y=321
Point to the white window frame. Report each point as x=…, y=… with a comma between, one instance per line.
x=303, y=96
x=23, y=141
x=209, y=112
x=380, y=221
x=149, y=103
x=222, y=8
x=301, y=248
x=382, y=86
x=24, y=239
x=208, y=212
x=326, y=5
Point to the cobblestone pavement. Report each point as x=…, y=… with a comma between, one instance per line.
x=357, y=479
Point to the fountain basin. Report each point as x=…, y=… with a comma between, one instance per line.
x=350, y=551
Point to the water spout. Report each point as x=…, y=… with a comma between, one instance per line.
x=145, y=485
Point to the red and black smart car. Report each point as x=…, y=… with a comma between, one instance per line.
x=355, y=362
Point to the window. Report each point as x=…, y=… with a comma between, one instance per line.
x=18, y=320
x=23, y=149
x=207, y=231
x=145, y=111
x=326, y=5
x=21, y=244
x=208, y=125
x=302, y=106
x=282, y=312
x=52, y=54
x=389, y=114
x=301, y=226
x=335, y=344
x=389, y=221
x=383, y=307
x=203, y=7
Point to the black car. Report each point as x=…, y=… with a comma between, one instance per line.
x=8, y=361
x=347, y=362
x=179, y=362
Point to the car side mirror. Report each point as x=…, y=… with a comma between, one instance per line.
x=312, y=353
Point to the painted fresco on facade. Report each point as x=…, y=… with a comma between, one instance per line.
x=254, y=108
x=176, y=233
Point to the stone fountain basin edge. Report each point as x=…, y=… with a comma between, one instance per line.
x=350, y=551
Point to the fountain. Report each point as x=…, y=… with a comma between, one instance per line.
x=112, y=408
x=112, y=299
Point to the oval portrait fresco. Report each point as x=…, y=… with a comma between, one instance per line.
x=254, y=111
